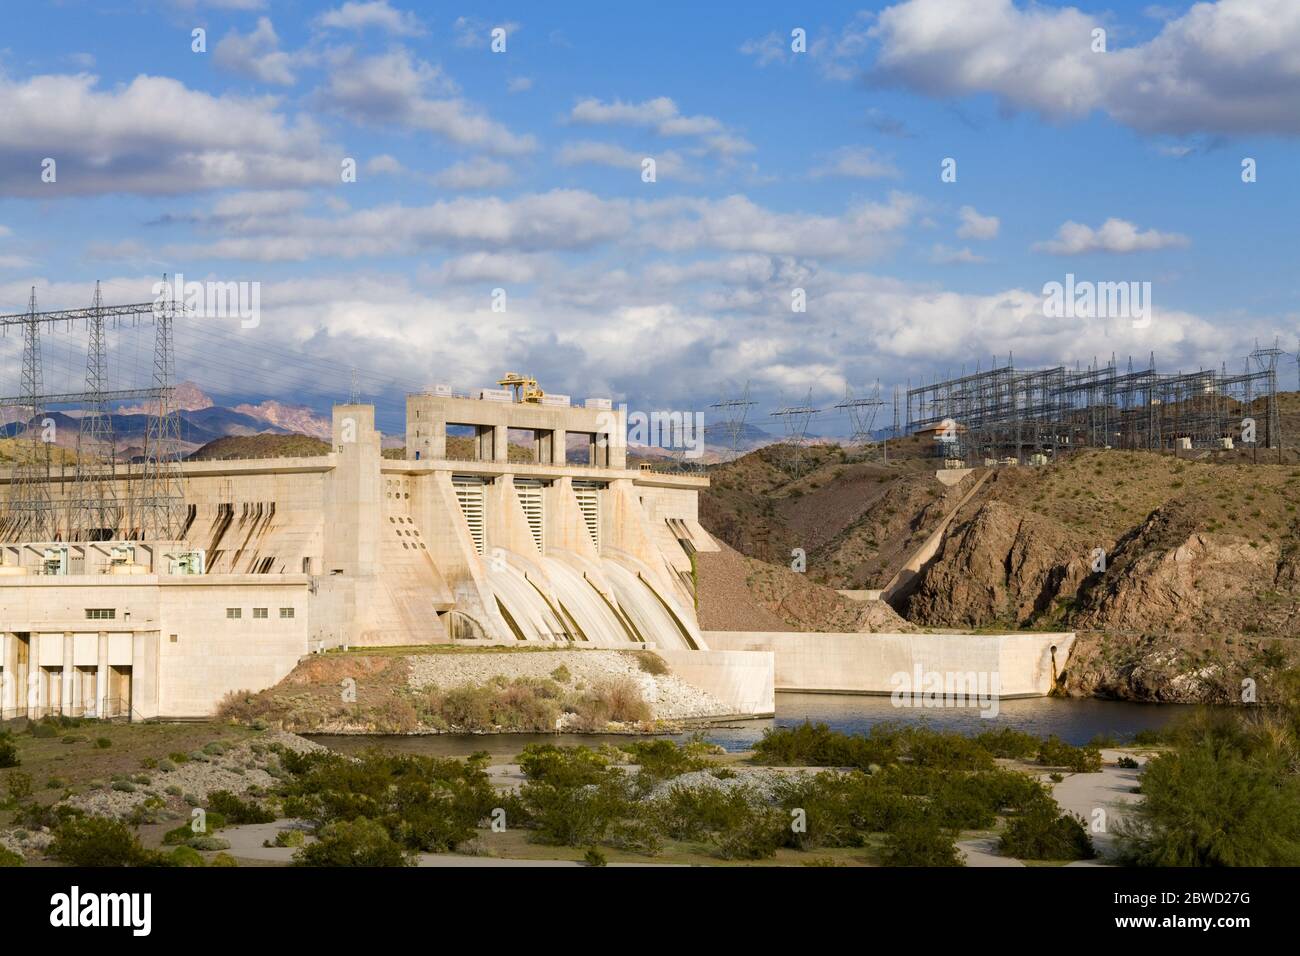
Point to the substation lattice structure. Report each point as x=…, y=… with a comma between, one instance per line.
x=1006, y=413
x=103, y=499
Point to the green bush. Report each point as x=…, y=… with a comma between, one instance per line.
x=208, y=842
x=103, y=743
x=593, y=857
x=97, y=841
x=920, y=839
x=238, y=811
x=1043, y=832
x=816, y=745
x=664, y=759
x=185, y=856
x=1055, y=752
x=8, y=752
x=18, y=785
x=360, y=842
x=9, y=858
x=1009, y=743
x=42, y=729
x=1209, y=804
x=290, y=838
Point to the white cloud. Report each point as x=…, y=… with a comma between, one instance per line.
x=768, y=49
x=856, y=162
x=129, y=140
x=738, y=224
x=376, y=13
x=384, y=165
x=587, y=152
x=477, y=173
x=492, y=267
x=1114, y=235
x=395, y=89
x=975, y=226
x=944, y=255
x=1231, y=66
x=663, y=117
x=256, y=54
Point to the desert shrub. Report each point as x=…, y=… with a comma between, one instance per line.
x=9, y=858
x=214, y=749
x=563, y=766
x=18, y=786
x=652, y=663
x=1126, y=762
x=754, y=836
x=124, y=786
x=839, y=809
x=1208, y=804
x=56, y=783
x=920, y=839
x=1043, y=832
x=425, y=803
x=635, y=836
x=149, y=763
x=524, y=705
x=208, y=842
x=103, y=743
x=1006, y=742
x=360, y=842
x=618, y=700
x=42, y=729
x=561, y=675
x=1055, y=752
x=223, y=859
x=593, y=857
x=238, y=811
x=702, y=812
x=97, y=841
x=816, y=745
x=184, y=856
x=575, y=815
x=663, y=759
x=293, y=838
x=929, y=748
x=8, y=752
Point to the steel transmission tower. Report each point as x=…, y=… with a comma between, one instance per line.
x=95, y=510
x=734, y=411
x=1266, y=363
x=862, y=416
x=796, y=419
x=30, y=511
x=161, y=501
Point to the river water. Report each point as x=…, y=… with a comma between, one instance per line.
x=1074, y=721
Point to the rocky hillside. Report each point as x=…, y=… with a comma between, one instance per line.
x=855, y=521
x=737, y=593
x=262, y=446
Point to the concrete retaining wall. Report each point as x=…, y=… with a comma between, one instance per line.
x=869, y=663
x=744, y=679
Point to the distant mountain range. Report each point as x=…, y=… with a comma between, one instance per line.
x=201, y=421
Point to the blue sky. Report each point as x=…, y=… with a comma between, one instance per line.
x=776, y=170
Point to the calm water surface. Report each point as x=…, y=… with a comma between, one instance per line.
x=1075, y=721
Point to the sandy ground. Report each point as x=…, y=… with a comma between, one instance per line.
x=246, y=844
x=1109, y=791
